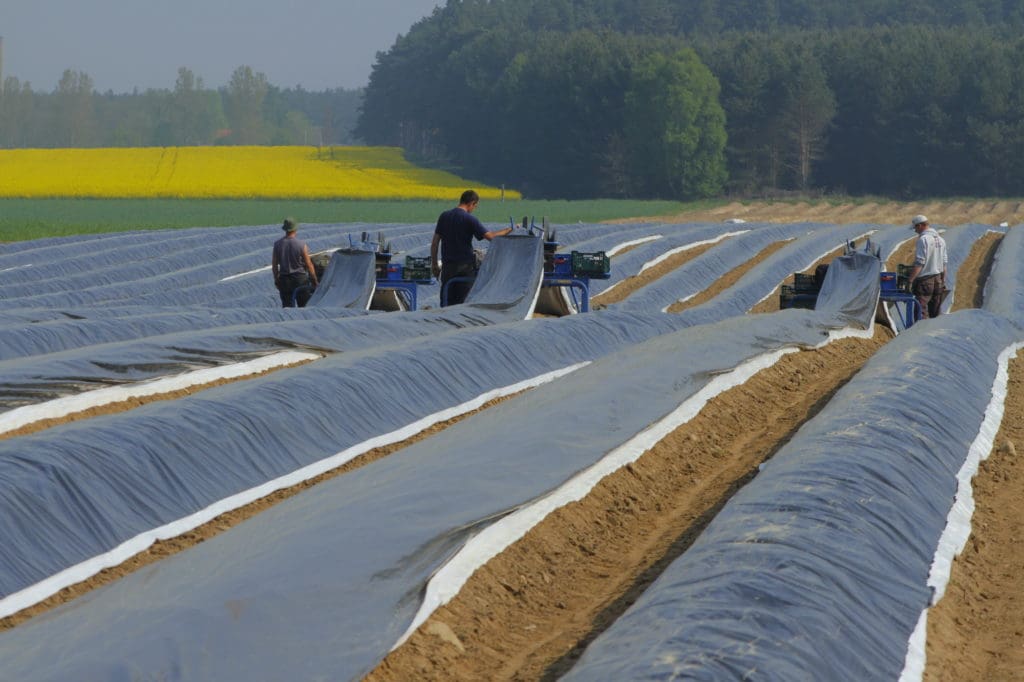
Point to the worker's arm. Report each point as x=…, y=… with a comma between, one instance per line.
x=435, y=268
x=274, y=268
x=309, y=265
x=500, y=233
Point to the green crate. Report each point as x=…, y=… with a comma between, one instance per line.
x=593, y=264
x=791, y=297
x=320, y=262
x=417, y=267
x=903, y=276
x=805, y=283
x=806, y=301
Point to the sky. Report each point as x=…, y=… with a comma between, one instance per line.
x=127, y=44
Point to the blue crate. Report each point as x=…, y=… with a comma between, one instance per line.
x=562, y=264
x=393, y=272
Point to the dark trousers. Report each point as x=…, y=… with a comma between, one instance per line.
x=929, y=292
x=287, y=286
x=457, y=291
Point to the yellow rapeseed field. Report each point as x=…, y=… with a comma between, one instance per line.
x=226, y=172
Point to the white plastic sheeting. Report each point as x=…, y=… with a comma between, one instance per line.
x=818, y=569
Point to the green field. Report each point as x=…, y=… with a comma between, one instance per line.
x=22, y=219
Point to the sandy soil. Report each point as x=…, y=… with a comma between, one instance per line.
x=528, y=614
x=976, y=632
x=986, y=212
x=627, y=286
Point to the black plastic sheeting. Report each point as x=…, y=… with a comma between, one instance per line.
x=323, y=584
x=71, y=454
x=348, y=281
x=338, y=573
x=701, y=272
x=509, y=278
x=102, y=481
x=1004, y=290
x=851, y=286
x=751, y=289
x=818, y=568
x=73, y=352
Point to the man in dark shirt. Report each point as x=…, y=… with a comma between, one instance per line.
x=454, y=233
x=292, y=266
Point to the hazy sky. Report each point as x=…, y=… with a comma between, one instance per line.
x=123, y=44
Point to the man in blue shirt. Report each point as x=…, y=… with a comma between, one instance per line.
x=454, y=233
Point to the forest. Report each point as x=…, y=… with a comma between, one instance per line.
x=669, y=99
x=574, y=98
x=249, y=110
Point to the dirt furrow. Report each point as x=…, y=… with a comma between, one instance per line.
x=528, y=613
x=629, y=285
x=976, y=632
x=970, y=281
x=727, y=280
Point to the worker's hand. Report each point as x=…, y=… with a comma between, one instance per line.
x=435, y=270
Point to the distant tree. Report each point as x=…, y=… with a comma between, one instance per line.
x=749, y=70
x=647, y=17
x=296, y=129
x=17, y=107
x=558, y=112
x=132, y=120
x=808, y=108
x=244, y=106
x=74, y=125
x=675, y=127
x=195, y=113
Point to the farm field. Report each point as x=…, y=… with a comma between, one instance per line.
x=511, y=498
x=225, y=173
x=23, y=219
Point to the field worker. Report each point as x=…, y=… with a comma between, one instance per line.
x=928, y=276
x=455, y=231
x=291, y=266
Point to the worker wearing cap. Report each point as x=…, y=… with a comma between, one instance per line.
x=454, y=234
x=928, y=276
x=292, y=267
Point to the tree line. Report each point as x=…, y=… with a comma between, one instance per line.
x=674, y=99
x=685, y=98
x=248, y=111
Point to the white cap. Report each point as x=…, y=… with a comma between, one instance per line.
x=918, y=219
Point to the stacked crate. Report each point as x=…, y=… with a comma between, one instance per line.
x=803, y=293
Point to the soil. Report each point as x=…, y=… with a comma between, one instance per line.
x=529, y=613
x=949, y=213
x=976, y=632
x=627, y=286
